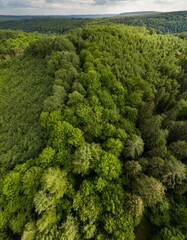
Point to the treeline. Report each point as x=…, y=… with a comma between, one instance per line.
x=114, y=125
x=4, y=18
x=172, y=22
x=45, y=25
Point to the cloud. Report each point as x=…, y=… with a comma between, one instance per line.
x=20, y=3
x=90, y=2
x=52, y=7
x=111, y=2
x=165, y=1
x=69, y=1
x=16, y=3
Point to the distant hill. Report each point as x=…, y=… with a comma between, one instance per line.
x=168, y=22
x=45, y=24
x=142, y=13
x=86, y=16
x=4, y=18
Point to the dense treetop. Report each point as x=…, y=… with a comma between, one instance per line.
x=112, y=138
x=45, y=25
x=171, y=22
x=23, y=87
x=14, y=42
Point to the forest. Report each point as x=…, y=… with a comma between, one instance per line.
x=46, y=25
x=171, y=22
x=174, y=22
x=93, y=134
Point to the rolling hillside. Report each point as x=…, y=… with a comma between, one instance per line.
x=93, y=137
x=171, y=22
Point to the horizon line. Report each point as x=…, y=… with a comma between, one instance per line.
x=92, y=14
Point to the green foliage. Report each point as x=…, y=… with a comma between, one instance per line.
x=109, y=148
x=160, y=214
x=24, y=86
x=135, y=206
x=46, y=157
x=13, y=43
x=86, y=158
x=179, y=149
x=109, y=167
x=150, y=190
x=29, y=232
x=175, y=173
x=132, y=168
x=70, y=229
x=173, y=234
x=44, y=25
x=87, y=203
x=114, y=146
x=54, y=182
x=119, y=227
x=134, y=147
x=169, y=22
x=43, y=201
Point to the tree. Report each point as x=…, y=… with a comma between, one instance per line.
x=179, y=149
x=46, y=157
x=29, y=231
x=132, y=168
x=119, y=226
x=170, y=234
x=160, y=213
x=150, y=190
x=86, y=158
x=152, y=134
x=47, y=220
x=56, y=101
x=54, y=182
x=109, y=167
x=135, y=206
x=134, y=147
x=70, y=230
x=31, y=181
x=75, y=98
x=113, y=146
x=174, y=172
x=87, y=205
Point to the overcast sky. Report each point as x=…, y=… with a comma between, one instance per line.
x=65, y=7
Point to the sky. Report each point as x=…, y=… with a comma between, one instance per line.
x=68, y=7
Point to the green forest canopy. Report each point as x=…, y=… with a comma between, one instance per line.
x=45, y=24
x=171, y=22
x=110, y=146
x=13, y=43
